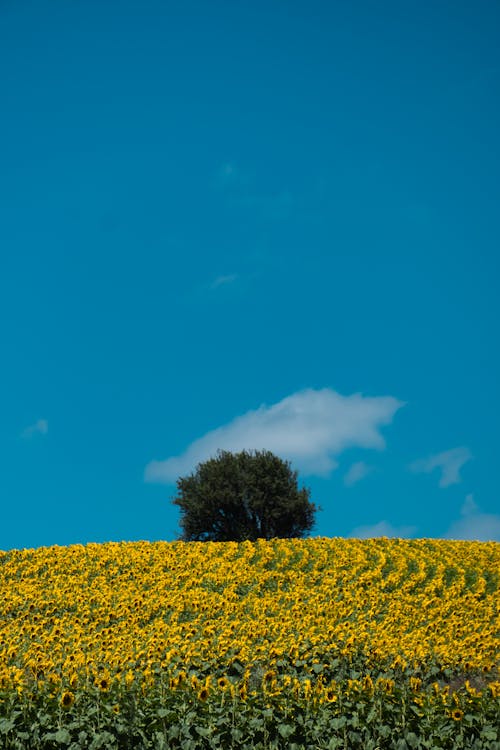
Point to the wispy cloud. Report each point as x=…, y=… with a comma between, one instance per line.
x=475, y=525
x=223, y=280
x=449, y=462
x=309, y=428
x=41, y=427
x=383, y=528
x=356, y=472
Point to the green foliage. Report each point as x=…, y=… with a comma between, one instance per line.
x=243, y=496
x=167, y=717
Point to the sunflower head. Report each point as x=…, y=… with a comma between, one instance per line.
x=67, y=699
x=367, y=683
x=415, y=684
x=457, y=714
x=129, y=678
x=494, y=689
x=203, y=694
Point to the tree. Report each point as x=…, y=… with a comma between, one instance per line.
x=247, y=495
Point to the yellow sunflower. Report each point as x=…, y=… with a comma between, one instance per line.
x=104, y=684
x=67, y=699
x=330, y=696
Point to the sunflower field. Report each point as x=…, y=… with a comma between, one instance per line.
x=297, y=644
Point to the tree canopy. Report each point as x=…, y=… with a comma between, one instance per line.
x=247, y=495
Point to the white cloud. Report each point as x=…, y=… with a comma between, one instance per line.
x=40, y=427
x=449, y=462
x=474, y=525
x=221, y=280
x=383, y=528
x=356, y=472
x=469, y=508
x=309, y=428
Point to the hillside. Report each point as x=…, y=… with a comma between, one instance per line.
x=310, y=622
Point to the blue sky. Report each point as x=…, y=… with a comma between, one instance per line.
x=249, y=224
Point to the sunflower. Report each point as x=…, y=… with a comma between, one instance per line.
x=203, y=694
x=104, y=684
x=457, y=714
x=368, y=683
x=494, y=688
x=67, y=699
x=330, y=696
x=129, y=678
x=415, y=684
x=222, y=683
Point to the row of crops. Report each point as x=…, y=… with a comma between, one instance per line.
x=318, y=643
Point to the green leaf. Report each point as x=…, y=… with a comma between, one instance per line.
x=355, y=720
x=174, y=732
x=384, y=731
x=202, y=731
x=286, y=730
x=335, y=743
x=339, y=722
x=103, y=740
x=256, y=722
x=412, y=739
x=160, y=741
x=62, y=736
x=6, y=725
x=489, y=733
